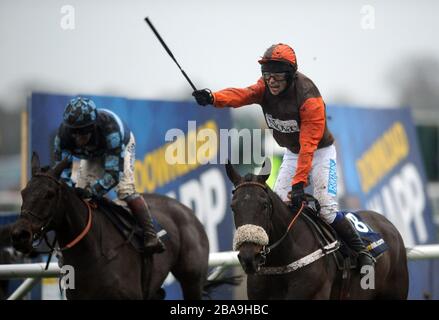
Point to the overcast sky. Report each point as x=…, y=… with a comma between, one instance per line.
x=346, y=47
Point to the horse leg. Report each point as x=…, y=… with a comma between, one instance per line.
x=191, y=284
x=191, y=269
x=192, y=275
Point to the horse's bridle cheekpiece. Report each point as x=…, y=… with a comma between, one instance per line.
x=42, y=231
x=334, y=246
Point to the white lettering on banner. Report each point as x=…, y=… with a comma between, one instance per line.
x=402, y=201
x=207, y=197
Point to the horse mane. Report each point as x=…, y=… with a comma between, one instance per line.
x=274, y=196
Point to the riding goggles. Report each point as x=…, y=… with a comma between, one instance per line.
x=276, y=76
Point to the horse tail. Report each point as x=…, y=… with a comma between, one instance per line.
x=211, y=284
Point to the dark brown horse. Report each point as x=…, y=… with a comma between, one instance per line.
x=262, y=218
x=105, y=265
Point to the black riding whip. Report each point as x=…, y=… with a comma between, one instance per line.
x=169, y=51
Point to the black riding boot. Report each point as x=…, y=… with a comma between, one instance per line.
x=140, y=210
x=349, y=234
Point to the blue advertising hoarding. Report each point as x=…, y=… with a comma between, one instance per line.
x=156, y=124
x=381, y=170
x=378, y=156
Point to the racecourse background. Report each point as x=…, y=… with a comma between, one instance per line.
x=375, y=54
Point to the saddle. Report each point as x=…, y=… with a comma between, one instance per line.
x=325, y=234
x=125, y=223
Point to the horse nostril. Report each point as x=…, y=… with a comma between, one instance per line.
x=241, y=260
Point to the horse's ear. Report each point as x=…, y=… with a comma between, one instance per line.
x=265, y=171
x=60, y=167
x=35, y=163
x=232, y=173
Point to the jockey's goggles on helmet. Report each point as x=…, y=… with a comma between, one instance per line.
x=278, y=76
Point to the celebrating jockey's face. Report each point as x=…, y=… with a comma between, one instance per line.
x=276, y=82
x=81, y=139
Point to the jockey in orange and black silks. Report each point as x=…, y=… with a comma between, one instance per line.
x=295, y=111
x=293, y=108
x=292, y=105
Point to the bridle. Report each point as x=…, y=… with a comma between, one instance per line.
x=295, y=265
x=258, y=184
x=267, y=249
x=43, y=230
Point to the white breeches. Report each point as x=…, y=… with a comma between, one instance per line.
x=323, y=178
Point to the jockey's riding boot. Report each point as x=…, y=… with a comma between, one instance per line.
x=140, y=210
x=349, y=234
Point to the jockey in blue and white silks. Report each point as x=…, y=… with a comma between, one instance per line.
x=106, y=147
x=108, y=141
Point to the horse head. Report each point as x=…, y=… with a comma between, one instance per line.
x=41, y=199
x=252, y=209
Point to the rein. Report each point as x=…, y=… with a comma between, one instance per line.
x=290, y=226
x=84, y=232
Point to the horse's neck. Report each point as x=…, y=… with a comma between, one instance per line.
x=299, y=240
x=74, y=222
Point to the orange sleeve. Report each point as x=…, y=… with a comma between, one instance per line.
x=312, y=127
x=238, y=97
